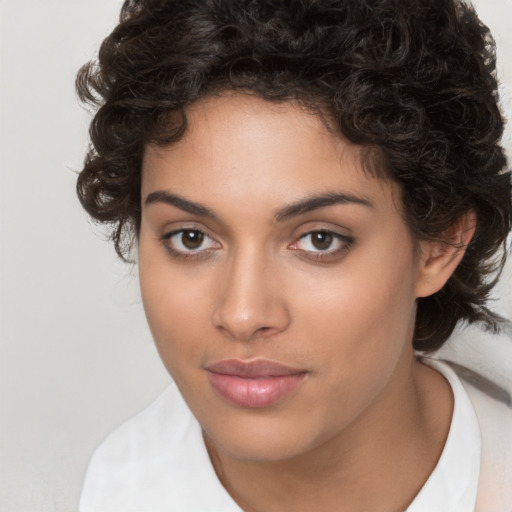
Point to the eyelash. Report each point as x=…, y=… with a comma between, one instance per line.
x=345, y=241
x=166, y=239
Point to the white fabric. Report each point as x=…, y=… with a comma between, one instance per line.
x=453, y=484
x=484, y=365
x=157, y=462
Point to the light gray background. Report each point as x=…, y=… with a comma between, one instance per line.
x=76, y=356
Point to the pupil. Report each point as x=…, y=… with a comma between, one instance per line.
x=321, y=240
x=192, y=239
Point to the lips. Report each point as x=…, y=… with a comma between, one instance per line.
x=253, y=384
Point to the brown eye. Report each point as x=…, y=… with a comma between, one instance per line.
x=192, y=239
x=189, y=243
x=321, y=240
x=322, y=244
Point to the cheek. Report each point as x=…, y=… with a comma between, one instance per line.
x=359, y=329
x=361, y=316
x=362, y=294
x=175, y=309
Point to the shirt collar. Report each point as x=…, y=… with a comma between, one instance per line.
x=453, y=485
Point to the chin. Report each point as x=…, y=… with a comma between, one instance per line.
x=261, y=440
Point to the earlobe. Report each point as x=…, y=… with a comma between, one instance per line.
x=439, y=259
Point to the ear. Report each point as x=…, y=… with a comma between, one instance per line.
x=439, y=259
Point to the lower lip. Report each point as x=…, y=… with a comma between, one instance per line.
x=255, y=392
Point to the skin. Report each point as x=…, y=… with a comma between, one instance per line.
x=365, y=428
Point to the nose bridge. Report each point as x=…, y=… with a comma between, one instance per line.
x=250, y=302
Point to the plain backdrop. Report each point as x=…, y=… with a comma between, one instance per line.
x=76, y=356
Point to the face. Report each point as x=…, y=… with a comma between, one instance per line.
x=278, y=278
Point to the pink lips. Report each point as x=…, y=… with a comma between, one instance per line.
x=253, y=384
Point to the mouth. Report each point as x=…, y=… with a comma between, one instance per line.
x=253, y=384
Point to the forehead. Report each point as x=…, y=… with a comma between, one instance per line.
x=237, y=145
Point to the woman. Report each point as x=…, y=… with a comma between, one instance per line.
x=317, y=196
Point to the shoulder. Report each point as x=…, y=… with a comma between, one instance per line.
x=483, y=363
x=131, y=457
x=495, y=421
x=153, y=462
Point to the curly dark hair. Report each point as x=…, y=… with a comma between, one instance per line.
x=412, y=81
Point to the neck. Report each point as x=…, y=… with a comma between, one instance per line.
x=379, y=462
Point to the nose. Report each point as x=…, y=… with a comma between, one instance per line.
x=251, y=301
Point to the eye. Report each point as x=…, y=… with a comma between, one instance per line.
x=188, y=242
x=322, y=243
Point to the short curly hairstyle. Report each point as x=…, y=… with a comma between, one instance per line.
x=411, y=81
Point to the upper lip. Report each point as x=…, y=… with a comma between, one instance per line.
x=252, y=369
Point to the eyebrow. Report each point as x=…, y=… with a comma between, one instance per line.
x=161, y=196
x=291, y=210
x=312, y=203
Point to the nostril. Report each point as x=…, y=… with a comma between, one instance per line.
x=263, y=330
